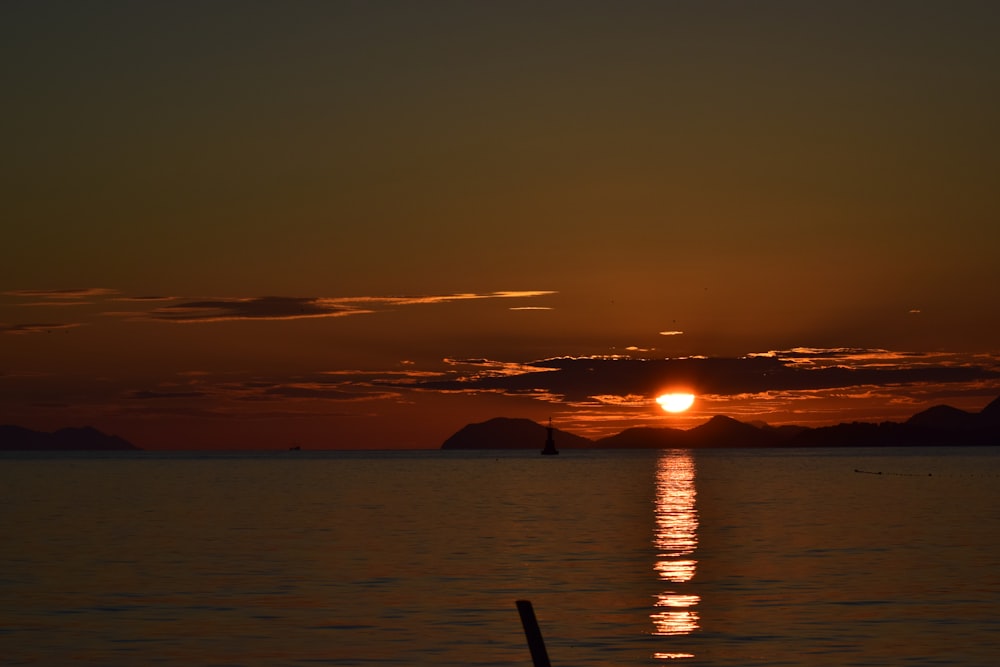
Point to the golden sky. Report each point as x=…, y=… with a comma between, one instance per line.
x=366, y=224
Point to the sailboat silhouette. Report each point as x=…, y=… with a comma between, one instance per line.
x=550, y=443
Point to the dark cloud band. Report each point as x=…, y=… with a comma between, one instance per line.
x=580, y=379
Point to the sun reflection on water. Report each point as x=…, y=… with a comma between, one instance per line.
x=676, y=538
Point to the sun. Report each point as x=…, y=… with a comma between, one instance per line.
x=675, y=402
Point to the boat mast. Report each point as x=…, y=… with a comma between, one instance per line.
x=550, y=443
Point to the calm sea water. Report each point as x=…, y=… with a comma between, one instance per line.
x=726, y=557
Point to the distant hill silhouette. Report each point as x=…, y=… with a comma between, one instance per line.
x=16, y=438
x=939, y=425
x=507, y=433
x=989, y=417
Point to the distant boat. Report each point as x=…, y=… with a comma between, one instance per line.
x=550, y=443
x=294, y=448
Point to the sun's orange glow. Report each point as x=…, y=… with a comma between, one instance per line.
x=675, y=402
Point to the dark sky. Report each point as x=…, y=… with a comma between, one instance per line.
x=247, y=224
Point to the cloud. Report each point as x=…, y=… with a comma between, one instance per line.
x=34, y=328
x=484, y=368
x=631, y=400
x=409, y=300
x=62, y=294
x=176, y=309
x=146, y=299
x=61, y=297
x=328, y=392
x=255, y=308
x=291, y=308
x=671, y=333
x=166, y=394
x=587, y=379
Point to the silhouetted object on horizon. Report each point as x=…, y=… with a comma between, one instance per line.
x=16, y=438
x=938, y=426
x=508, y=433
x=550, y=443
x=539, y=656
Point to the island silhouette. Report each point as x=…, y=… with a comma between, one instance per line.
x=941, y=425
x=86, y=438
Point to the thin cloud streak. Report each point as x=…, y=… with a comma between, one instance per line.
x=145, y=395
x=36, y=328
x=63, y=294
x=292, y=308
x=145, y=299
x=343, y=392
x=257, y=308
x=191, y=310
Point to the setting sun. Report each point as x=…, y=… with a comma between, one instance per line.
x=675, y=402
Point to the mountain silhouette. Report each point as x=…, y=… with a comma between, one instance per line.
x=507, y=433
x=945, y=417
x=16, y=438
x=941, y=425
x=989, y=417
x=719, y=430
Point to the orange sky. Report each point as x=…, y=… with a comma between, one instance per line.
x=368, y=224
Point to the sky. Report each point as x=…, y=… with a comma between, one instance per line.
x=253, y=225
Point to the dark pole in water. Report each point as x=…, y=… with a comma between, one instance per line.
x=539, y=656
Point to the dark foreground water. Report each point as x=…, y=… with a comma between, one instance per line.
x=728, y=557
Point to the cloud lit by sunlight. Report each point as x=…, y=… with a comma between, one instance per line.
x=182, y=310
x=258, y=308
x=292, y=308
x=491, y=368
x=758, y=383
x=630, y=400
x=593, y=394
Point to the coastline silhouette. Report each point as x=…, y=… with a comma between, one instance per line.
x=941, y=425
x=16, y=438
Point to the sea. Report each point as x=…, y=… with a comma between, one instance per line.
x=839, y=556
